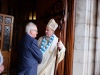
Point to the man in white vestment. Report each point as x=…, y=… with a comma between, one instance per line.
x=48, y=45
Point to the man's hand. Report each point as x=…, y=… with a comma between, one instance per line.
x=1, y=68
x=59, y=45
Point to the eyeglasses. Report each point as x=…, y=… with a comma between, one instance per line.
x=35, y=30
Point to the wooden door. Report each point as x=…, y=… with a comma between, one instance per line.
x=6, y=29
x=68, y=70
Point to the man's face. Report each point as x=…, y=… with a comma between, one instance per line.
x=49, y=32
x=34, y=32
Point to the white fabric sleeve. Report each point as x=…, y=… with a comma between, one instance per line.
x=1, y=59
x=61, y=53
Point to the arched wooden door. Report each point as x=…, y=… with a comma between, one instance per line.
x=57, y=9
x=6, y=30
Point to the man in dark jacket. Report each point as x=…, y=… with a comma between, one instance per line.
x=29, y=53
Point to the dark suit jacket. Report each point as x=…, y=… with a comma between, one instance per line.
x=29, y=56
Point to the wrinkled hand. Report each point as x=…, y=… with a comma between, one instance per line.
x=59, y=45
x=1, y=68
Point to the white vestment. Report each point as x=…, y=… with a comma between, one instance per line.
x=49, y=56
x=1, y=59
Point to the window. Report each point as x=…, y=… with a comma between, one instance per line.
x=32, y=15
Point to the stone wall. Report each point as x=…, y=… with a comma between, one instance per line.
x=97, y=59
x=85, y=37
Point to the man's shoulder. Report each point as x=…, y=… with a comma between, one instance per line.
x=55, y=37
x=35, y=40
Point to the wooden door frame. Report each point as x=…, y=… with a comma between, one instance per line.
x=66, y=66
x=68, y=69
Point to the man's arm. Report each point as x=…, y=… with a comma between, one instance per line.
x=36, y=51
x=1, y=68
x=61, y=53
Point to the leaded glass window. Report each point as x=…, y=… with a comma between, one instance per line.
x=8, y=20
x=6, y=41
x=1, y=19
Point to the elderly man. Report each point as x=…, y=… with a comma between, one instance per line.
x=29, y=53
x=48, y=45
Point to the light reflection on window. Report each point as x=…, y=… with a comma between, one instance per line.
x=32, y=16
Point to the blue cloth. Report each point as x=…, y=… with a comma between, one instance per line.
x=43, y=48
x=29, y=56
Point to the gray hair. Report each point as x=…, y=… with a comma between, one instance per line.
x=29, y=27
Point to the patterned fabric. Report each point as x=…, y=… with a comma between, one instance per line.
x=52, y=24
x=43, y=48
